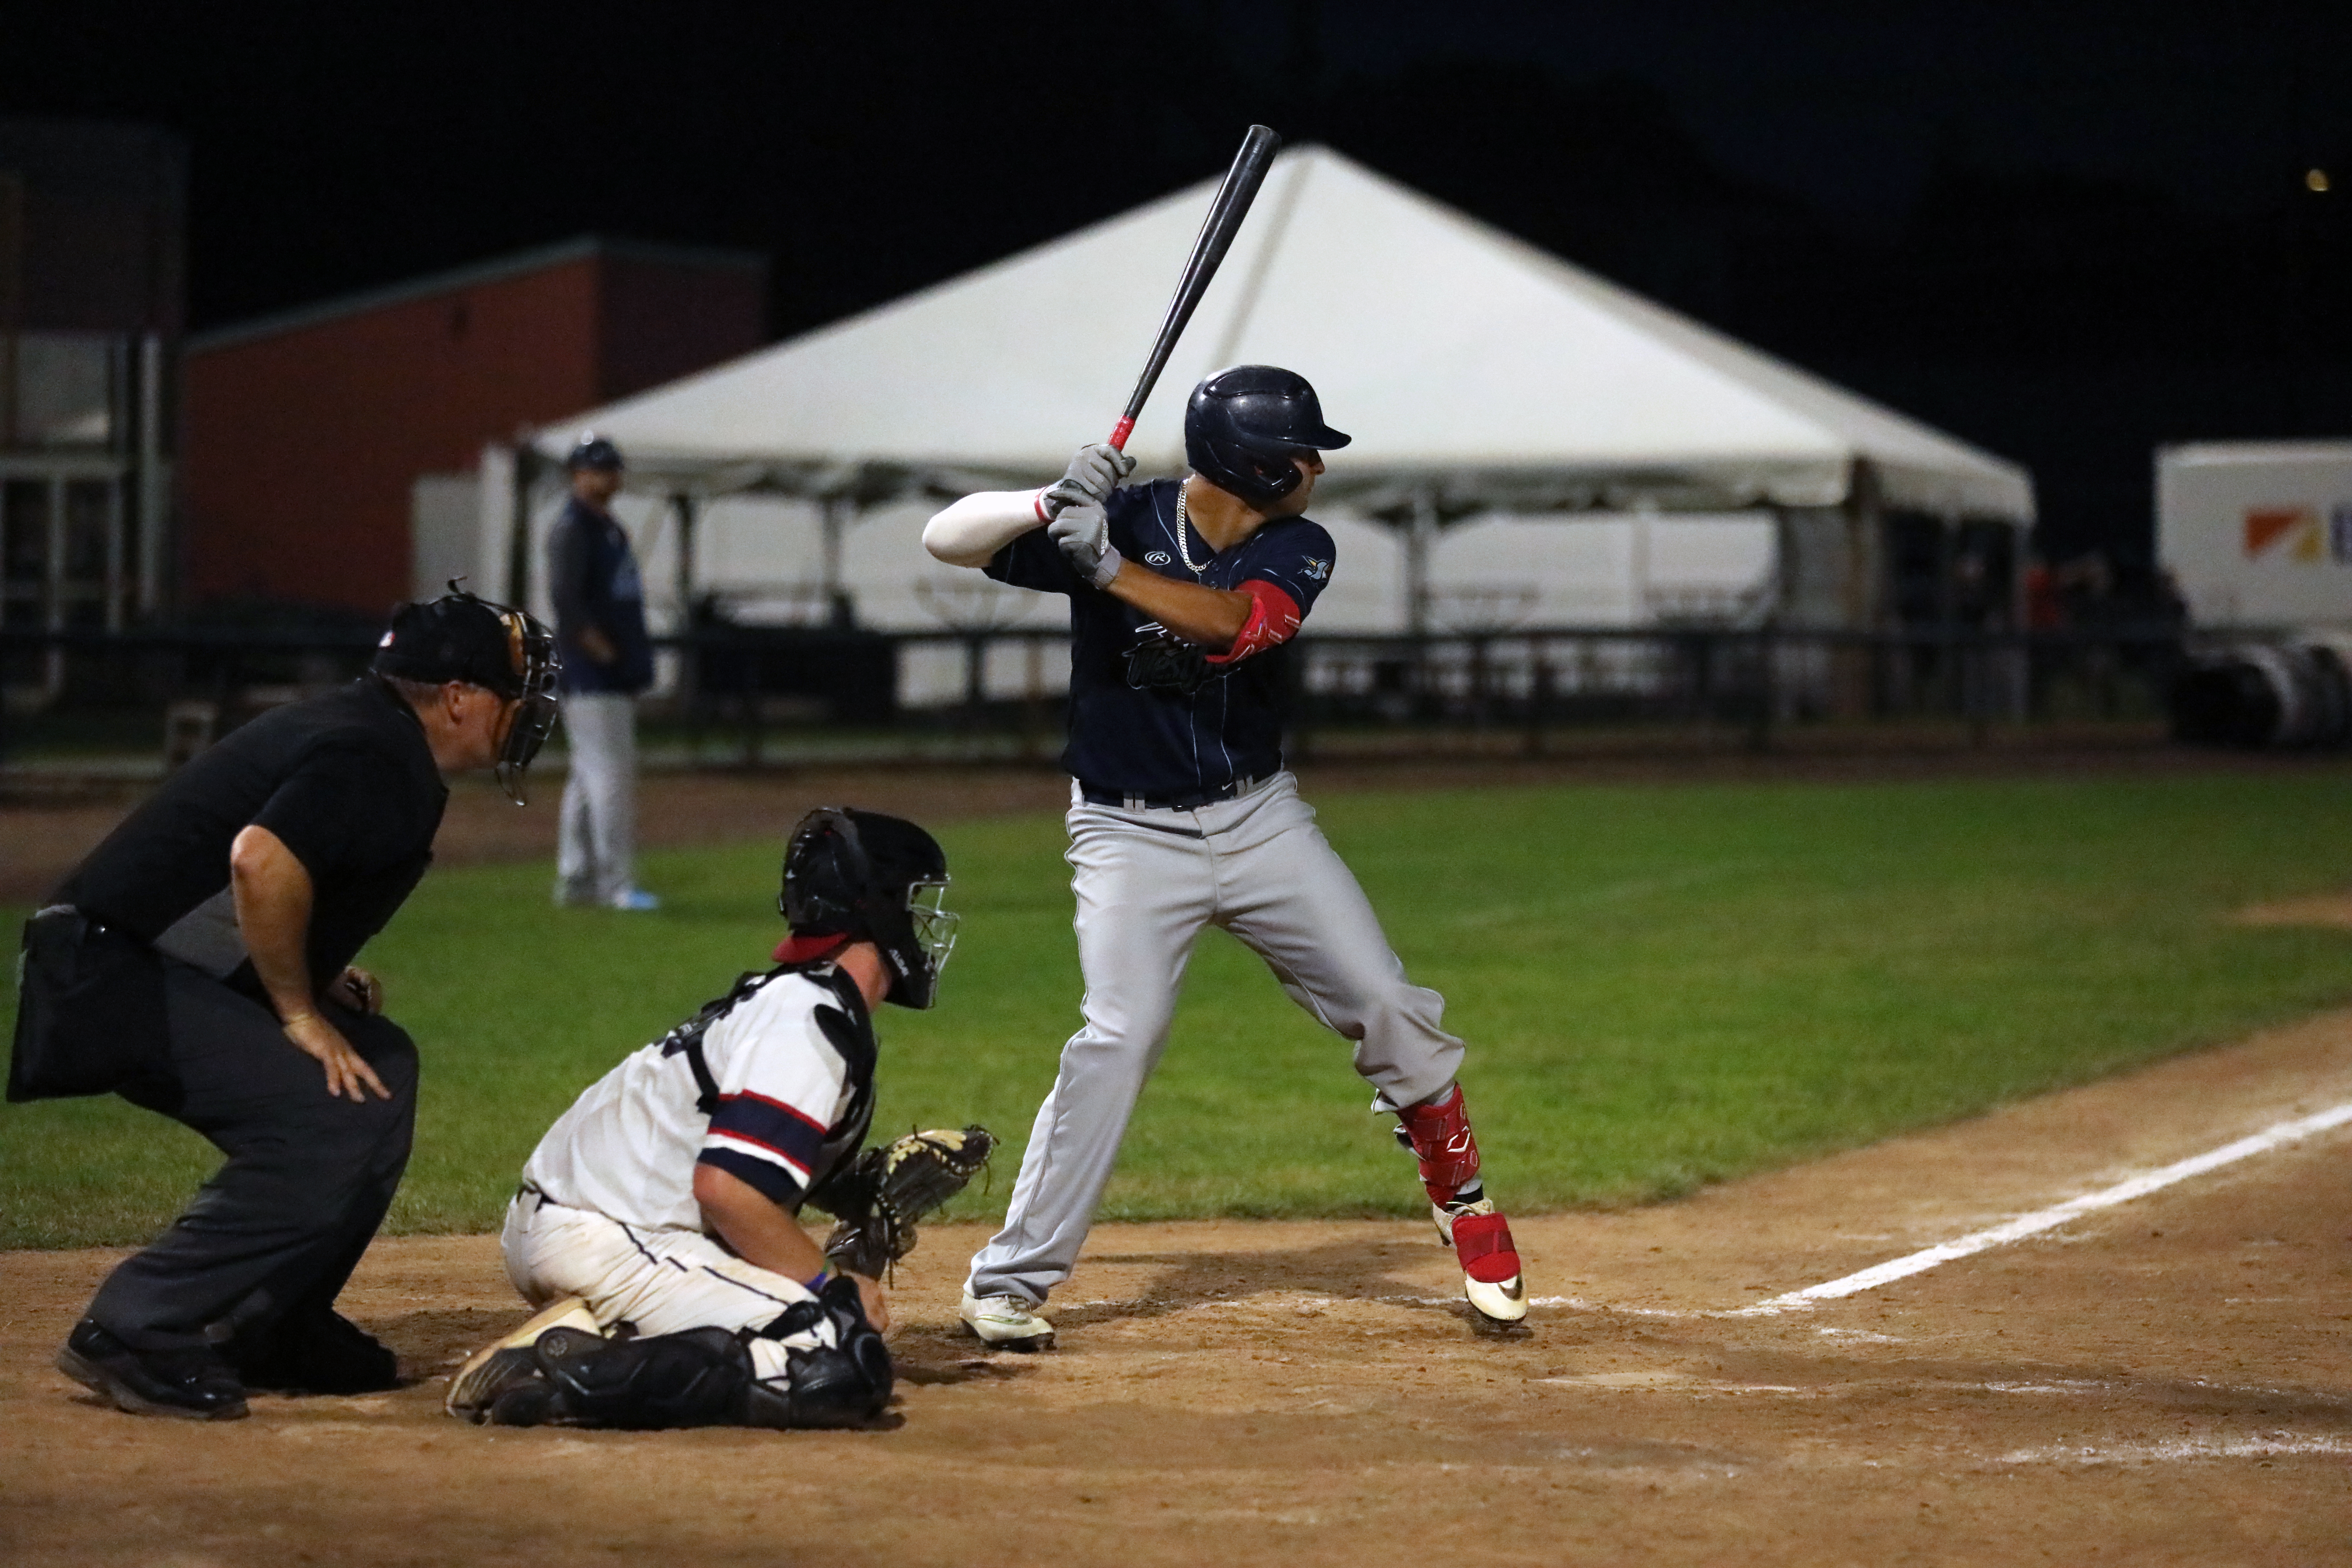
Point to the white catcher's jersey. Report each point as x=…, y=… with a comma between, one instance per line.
x=628, y=1146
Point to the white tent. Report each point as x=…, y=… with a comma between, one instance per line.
x=1457, y=356
x=1476, y=372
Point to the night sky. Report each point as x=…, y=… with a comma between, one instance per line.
x=2067, y=233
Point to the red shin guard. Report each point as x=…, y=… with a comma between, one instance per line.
x=1440, y=1136
x=1483, y=1243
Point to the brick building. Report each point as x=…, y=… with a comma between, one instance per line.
x=304, y=433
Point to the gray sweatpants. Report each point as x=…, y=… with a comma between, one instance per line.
x=596, y=852
x=1147, y=882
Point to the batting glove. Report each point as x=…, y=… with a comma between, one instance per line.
x=1082, y=534
x=1092, y=475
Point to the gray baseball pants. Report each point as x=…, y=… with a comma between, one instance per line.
x=1147, y=882
x=596, y=849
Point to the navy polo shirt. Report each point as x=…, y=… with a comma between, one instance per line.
x=1159, y=741
x=594, y=580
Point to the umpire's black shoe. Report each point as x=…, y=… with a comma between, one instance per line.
x=317, y=1352
x=193, y=1384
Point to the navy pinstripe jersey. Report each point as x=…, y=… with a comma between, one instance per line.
x=628, y=1146
x=1159, y=741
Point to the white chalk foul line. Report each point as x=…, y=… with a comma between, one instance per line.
x=2176, y=1450
x=2049, y=1218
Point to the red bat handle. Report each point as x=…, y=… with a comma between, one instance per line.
x=1120, y=432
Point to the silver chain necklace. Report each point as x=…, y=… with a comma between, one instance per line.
x=1180, y=547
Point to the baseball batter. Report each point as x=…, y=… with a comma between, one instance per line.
x=1181, y=816
x=658, y=1222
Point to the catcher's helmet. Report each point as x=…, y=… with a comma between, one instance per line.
x=459, y=636
x=1244, y=425
x=876, y=878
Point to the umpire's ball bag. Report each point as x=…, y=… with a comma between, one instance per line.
x=90, y=1009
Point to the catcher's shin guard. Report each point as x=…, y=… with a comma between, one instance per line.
x=845, y=1383
x=845, y=1387
x=695, y=1378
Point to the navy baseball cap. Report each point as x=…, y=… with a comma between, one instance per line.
x=594, y=451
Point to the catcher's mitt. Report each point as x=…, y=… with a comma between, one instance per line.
x=879, y=1195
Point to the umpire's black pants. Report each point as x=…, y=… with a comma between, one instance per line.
x=280, y=1227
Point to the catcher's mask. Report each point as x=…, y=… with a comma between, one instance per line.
x=875, y=879
x=459, y=636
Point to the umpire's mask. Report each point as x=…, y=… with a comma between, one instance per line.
x=459, y=636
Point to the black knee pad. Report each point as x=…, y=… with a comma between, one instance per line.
x=846, y=1386
x=697, y=1378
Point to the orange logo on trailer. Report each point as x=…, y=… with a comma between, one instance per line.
x=2292, y=531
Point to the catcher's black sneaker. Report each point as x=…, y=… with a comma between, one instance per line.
x=317, y=1353
x=191, y=1385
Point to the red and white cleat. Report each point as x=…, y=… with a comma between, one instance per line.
x=1481, y=1239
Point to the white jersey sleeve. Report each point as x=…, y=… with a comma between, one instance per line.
x=781, y=1086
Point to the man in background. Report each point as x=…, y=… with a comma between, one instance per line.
x=599, y=627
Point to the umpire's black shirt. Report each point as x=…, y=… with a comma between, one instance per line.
x=346, y=780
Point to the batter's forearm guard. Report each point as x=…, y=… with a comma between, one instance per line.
x=1274, y=619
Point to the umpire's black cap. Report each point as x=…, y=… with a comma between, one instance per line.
x=510, y=652
x=458, y=636
x=593, y=451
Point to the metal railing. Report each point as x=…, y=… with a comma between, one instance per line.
x=748, y=696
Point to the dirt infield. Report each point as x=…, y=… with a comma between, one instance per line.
x=2169, y=1381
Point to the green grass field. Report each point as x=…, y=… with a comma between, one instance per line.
x=1662, y=986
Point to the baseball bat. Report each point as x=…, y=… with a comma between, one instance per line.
x=1224, y=220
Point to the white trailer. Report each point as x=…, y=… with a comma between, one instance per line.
x=2258, y=533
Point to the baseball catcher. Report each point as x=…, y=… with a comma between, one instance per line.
x=657, y=1225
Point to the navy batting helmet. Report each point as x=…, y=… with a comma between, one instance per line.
x=876, y=878
x=1245, y=425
